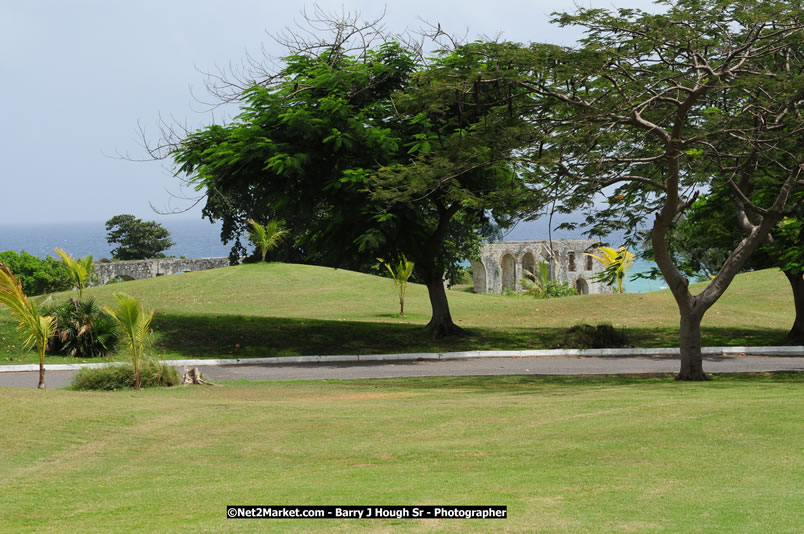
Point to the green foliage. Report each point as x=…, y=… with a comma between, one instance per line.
x=461, y=276
x=788, y=245
x=38, y=276
x=135, y=321
x=586, y=336
x=540, y=286
x=122, y=376
x=400, y=272
x=267, y=237
x=137, y=240
x=82, y=270
x=83, y=330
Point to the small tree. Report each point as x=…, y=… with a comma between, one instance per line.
x=137, y=240
x=81, y=270
x=35, y=329
x=135, y=321
x=616, y=264
x=267, y=237
x=400, y=273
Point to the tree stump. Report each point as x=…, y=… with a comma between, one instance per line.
x=193, y=376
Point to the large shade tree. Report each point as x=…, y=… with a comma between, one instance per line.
x=371, y=152
x=651, y=109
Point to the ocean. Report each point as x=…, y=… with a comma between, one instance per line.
x=193, y=238
x=201, y=239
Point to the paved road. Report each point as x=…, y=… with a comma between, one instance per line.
x=471, y=367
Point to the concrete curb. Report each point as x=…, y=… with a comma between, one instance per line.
x=551, y=353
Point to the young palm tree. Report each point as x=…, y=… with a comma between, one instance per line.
x=135, y=321
x=616, y=264
x=400, y=273
x=268, y=237
x=537, y=283
x=35, y=329
x=81, y=270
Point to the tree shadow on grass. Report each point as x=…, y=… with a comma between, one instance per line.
x=230, y=336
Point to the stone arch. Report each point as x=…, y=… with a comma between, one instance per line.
x=479, y=277
x=528, y=264
x=508, y=266
x=581, y=286
x=120, y=278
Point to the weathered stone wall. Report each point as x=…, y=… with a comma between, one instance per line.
x=502, y=265
x=138, y=269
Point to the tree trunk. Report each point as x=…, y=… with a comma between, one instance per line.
x=441, y=322
x=796, y=334
x=690, y=347
x=41, y=373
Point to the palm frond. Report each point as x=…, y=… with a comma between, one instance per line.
x=268, y=237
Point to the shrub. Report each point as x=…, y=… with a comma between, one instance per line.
x=539, y=285
x=113, y=377
x=587, y=336
x=462, y=276
x=38, y=276
x=82, y=330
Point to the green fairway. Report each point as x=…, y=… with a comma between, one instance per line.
x=282, y=309
x=564, y=454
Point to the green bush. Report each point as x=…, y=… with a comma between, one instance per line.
x=587, y=336
x=462, y=276
x=538, y=284
x=83, y=330
x=38, y=276
x=114, y=377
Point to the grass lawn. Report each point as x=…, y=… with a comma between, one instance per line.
x=564, y=454
x=282, y=310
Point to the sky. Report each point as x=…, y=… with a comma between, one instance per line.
x=82, y=77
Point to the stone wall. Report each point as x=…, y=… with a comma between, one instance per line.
x=138, y=269
x=502, y=265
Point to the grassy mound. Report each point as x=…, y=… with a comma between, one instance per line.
x=283, y=309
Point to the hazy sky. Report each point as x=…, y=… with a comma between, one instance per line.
x=81, y=75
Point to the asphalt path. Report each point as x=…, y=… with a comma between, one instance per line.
x=632, y=365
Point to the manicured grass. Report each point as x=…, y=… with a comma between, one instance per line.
x=280, y=309
x=564, y=454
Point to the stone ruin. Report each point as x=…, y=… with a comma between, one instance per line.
x=502, y=265
x=139, y=269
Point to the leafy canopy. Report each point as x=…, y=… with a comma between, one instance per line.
x=136, y=239
x=372, y=155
